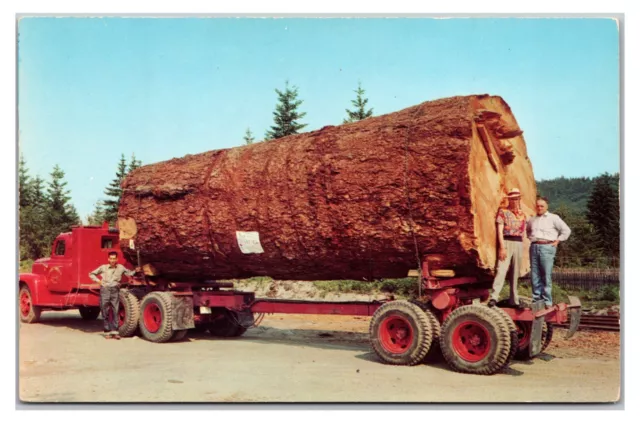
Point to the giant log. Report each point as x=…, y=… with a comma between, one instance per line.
x=364, y=200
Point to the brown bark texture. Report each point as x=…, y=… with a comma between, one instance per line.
x=364, y=200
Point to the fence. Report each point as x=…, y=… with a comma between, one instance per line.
x=587, y=279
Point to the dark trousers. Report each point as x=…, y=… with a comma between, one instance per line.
x=110, y=300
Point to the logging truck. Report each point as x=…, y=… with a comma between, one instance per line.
x=413, y=192
x=472, y=337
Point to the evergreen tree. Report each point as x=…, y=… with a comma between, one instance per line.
x=133, y=164
x=603, y=212
x=97, y=217
x=248, y=137
x=32, y=216
x=115, y=192
x=360, y=104
x=37, y=191
x=581, y=249
x=24, y=184
x=44, y=213
x=60, y=214
x=286, y=116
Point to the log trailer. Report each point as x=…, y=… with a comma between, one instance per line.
x=447, y=315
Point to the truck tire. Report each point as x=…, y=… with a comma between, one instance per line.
x=513, y=331
x=400, y=333
x=128, y=314
x=29, y=313
x=89, y=313
x=156, y=317
x=475, y=340
x=231, y=324
x=524, y=335
x=434, y=350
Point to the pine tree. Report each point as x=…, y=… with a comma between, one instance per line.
x=60, y=214
x=286, y=116
x=603, y=212
x=24, y=184
x=360, y=103
x=57, y=193
x=115, y=192
x=97, y=217
x=133, y=164
x=37, y=190
x=581, y=249
x=32, y=212
x=248, y=137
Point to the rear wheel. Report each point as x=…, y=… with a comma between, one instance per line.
x=128, y=313
x=156, y=317
x=513, y=332
x=89, y=313
x=400, y=333
x=29, y=313
x=230, y=323
x=475, y=340
x=524, y=338
x=178, y=335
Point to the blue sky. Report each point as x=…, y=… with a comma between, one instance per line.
x=90, y=89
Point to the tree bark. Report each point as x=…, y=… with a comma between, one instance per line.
x=363, y=200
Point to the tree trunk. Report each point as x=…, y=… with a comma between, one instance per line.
x=361, y=201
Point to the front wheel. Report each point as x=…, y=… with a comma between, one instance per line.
x=89, y=313
x=29, y=313
x=524, y=338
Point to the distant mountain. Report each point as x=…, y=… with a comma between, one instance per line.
x=573, y=192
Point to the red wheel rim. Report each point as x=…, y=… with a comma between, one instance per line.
x=471, y=341
x=25, y=303
x=395, y=334
x=152, y=317
x=524, y=334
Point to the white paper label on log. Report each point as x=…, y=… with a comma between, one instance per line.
x=249, y=242
x=132, y=245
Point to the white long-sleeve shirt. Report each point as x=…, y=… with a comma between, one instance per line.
x=548, y=227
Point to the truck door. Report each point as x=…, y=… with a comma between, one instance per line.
x=59, y=266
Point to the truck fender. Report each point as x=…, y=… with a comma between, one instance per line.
x=35, y=283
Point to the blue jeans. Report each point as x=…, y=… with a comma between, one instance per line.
x=542, y=256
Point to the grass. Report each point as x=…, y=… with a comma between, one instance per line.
x=606, y=296
x=401, y=288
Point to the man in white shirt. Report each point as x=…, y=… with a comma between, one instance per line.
x=545, y=231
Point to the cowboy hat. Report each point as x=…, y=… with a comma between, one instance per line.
x=514, y=193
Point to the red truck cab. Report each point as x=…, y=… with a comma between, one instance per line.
x=62, y=281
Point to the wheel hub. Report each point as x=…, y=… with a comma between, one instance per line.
x=471, y=341
x=25, y=304
x=152, y=317
x=396, y=334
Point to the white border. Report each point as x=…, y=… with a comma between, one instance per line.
x=629, y=170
